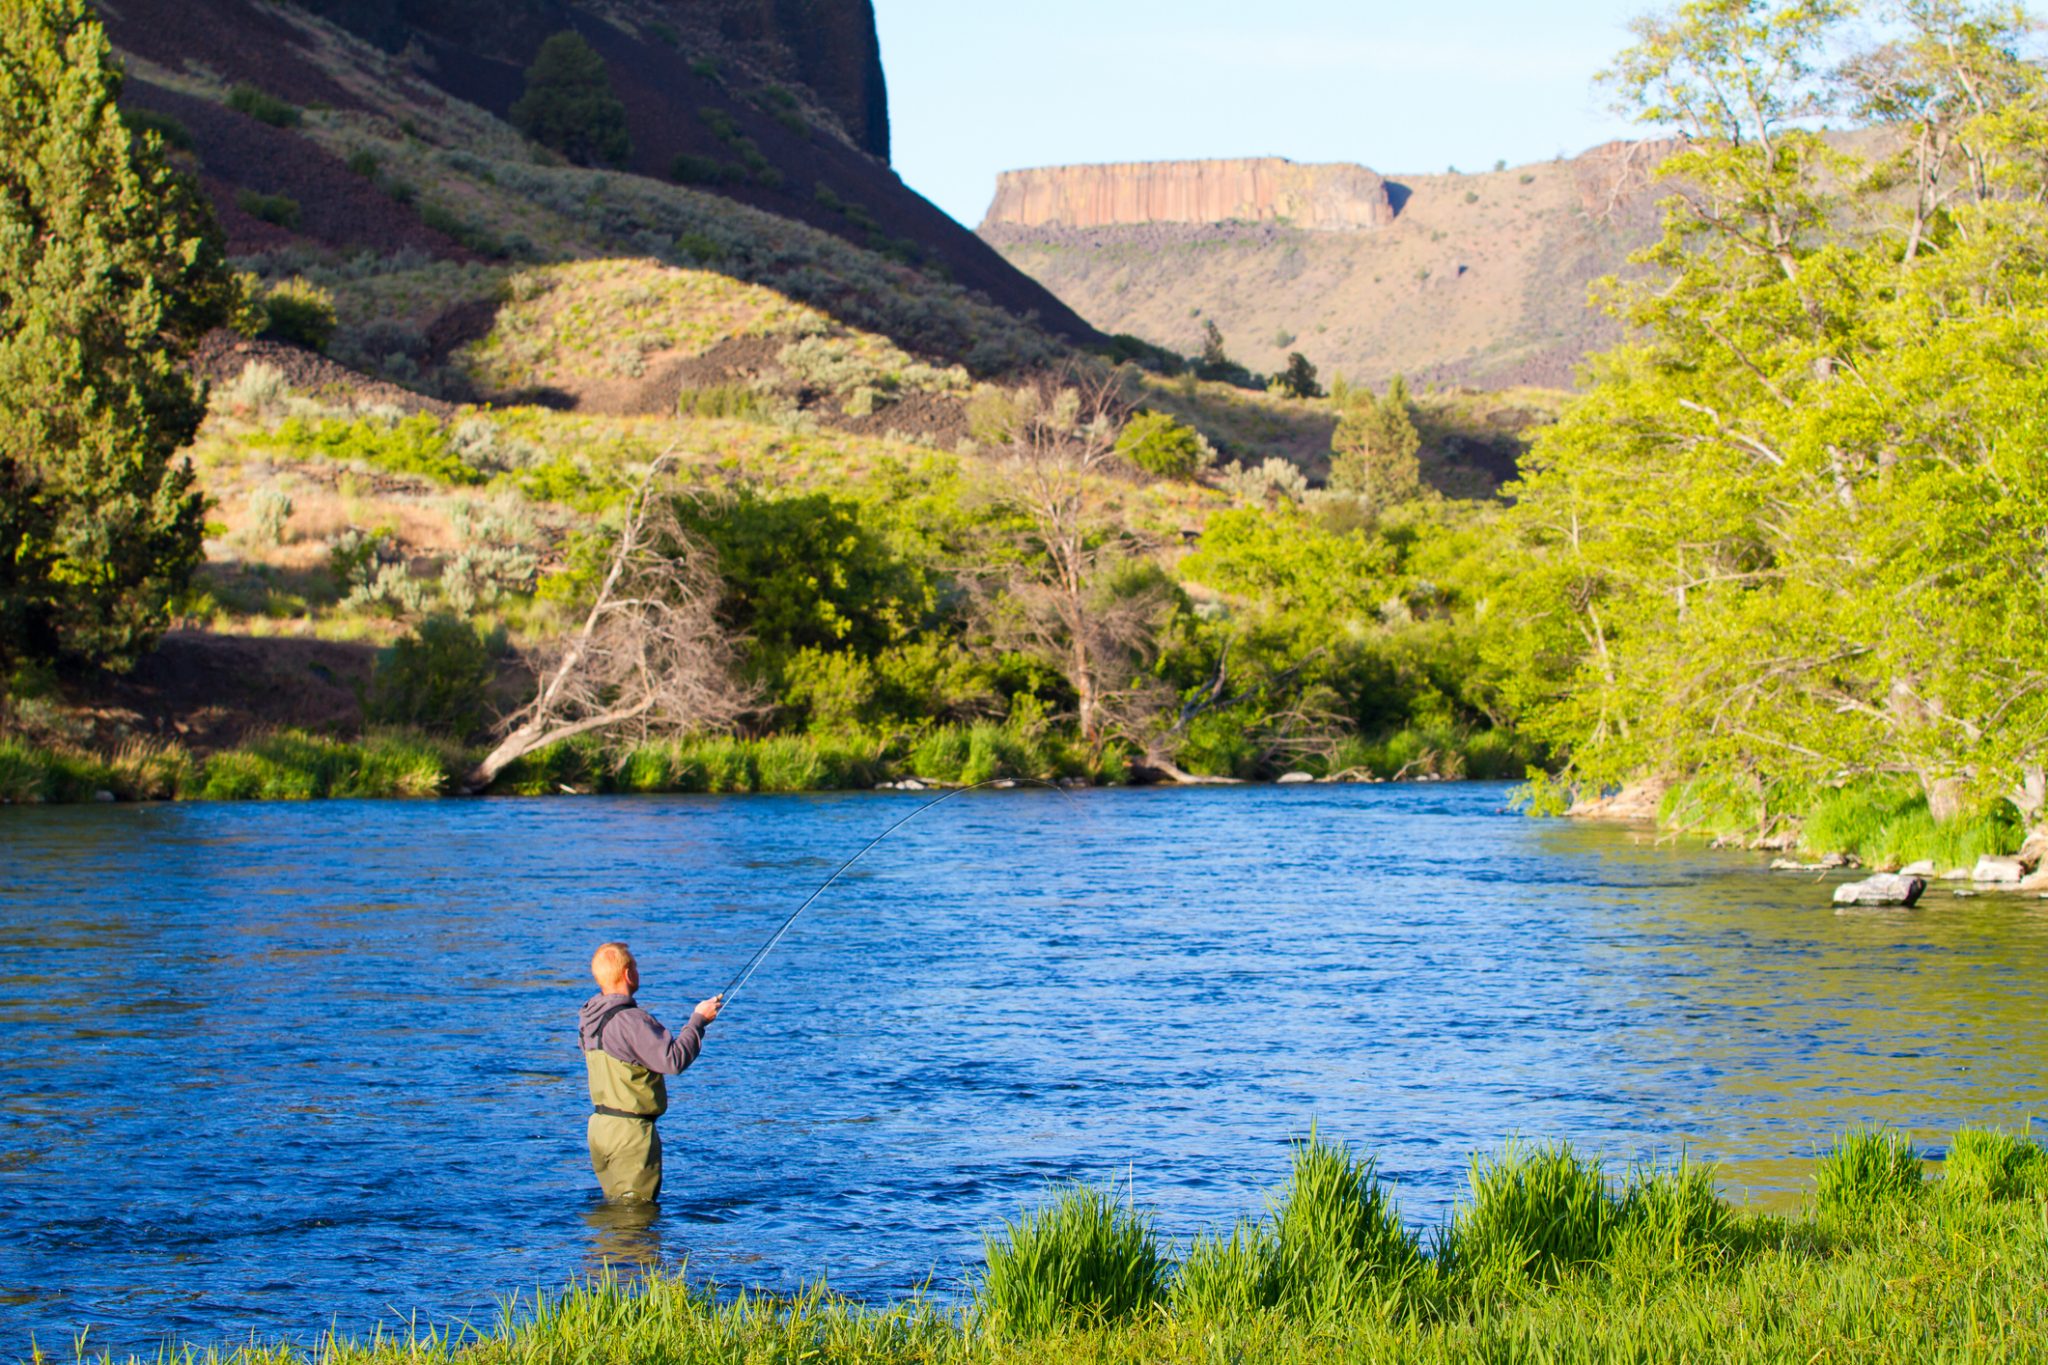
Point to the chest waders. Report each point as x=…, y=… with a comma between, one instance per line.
x=625, y=1100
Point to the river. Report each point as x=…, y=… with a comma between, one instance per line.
x=270, y=1068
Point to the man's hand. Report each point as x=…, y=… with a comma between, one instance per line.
x=707, y=1010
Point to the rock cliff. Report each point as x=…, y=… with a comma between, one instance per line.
x=1337, y=197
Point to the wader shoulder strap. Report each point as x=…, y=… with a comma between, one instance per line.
x=597, y=1033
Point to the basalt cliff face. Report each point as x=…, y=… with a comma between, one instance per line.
x=1337, y=197
x=1475, y=279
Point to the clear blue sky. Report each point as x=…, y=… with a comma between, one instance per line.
x=976, y=87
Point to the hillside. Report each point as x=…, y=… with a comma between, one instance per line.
x=377, y=129
x=1476, y=279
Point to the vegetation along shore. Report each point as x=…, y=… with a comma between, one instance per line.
x=1549, y=1258
x=615, y=474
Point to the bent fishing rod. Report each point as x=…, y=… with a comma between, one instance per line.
x=725, y=996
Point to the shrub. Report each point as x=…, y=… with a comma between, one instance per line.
x=1083, y=1258
x=365, y=163
x=569, y=104
x=270, y=514
x=280, y=210
x=734, y=401
x=690, y=169
x=173, y=133
x=413, y=445
x=1298, y=379
x=263, y=107
x=1986, y=1167
x=437, y=678
x=299, y=313
x=1868, y=1168
x=1336, y=1236
x=258, y=391
x=1535, y=1212
x=1158, y=444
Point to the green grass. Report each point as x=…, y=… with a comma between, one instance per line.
x=1537, y=1212
x=1084, y=1257
x=287, y=766
x=1884, y=822
x=1654, y=1268
x=1868, y=1169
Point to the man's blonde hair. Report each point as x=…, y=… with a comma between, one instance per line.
x=610, y=962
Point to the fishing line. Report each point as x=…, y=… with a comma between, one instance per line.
x=761, y=954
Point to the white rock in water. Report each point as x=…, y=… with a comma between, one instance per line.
x=1289, y=779
x=1794, y=865
x=1956, y=874
x=2005, y=870
x=1923, y=868
x=102, y=796
x=1886, y=888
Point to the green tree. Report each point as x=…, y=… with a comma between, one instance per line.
x=1157, y=444
x=569, y=104
x=1298, y=379
x=1374, y=447
x=1792, y=536
x=111, y=268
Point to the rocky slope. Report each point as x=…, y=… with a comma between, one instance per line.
x=1337, y=197
x=783, y=98
x=1472, y=279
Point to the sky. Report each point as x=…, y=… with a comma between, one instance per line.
x=978, y=87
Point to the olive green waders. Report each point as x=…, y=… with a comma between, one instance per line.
x=627, y=1156
x=625, y=1100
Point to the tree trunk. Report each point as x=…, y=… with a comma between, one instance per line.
x=1944, y=797
x=535, y=735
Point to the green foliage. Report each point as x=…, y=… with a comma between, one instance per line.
x=1338, y=1243
x=740, y=402
x=1084, y=1258
x=144, y=121
x=1986, y=1166
x=264, y=107
x=113, y=270
x=690, y=169
x=1215, y=363
x=1374, y=448
x=418, y=444
x=1298, y=379
x=1538, y=1212
x=1157, y=444
x=300, y=313
x=1671, y=1221
x=1792, y=531
x=1866, y=1169
x=365, y=163
x=294, y=766
x=569, y=104
x=279, y=210
x=1224, y=1279
x=437, y=679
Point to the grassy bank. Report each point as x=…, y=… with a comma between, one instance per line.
x=292, y=765
x=1550, y=1258
x=1882, y=822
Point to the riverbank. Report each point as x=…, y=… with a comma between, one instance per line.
x=1550, y=1258
x=299, y=765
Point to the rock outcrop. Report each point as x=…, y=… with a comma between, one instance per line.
x=1334, y=197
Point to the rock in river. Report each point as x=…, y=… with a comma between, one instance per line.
x=1886, y=888
x=1288, y=779
x=2005, y=870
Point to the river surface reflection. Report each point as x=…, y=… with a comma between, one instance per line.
x=264, y=1069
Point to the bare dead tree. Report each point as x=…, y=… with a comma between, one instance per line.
x=1064, y=603
x=651, y=655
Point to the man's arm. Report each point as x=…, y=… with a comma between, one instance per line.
x=655, y=1048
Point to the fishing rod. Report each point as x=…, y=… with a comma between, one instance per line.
x=725, y=996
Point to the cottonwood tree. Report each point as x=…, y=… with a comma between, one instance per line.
x=650, y=657
x=111, y=269
x=1799, y=529
x=1373, y=451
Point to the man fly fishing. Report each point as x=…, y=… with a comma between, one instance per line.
x=628, y=1053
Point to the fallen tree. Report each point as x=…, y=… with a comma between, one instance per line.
x=651, y=656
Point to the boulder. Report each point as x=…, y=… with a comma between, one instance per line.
x=1290, y=779
x=2002, y=871
x=103, y=796
x=1794, y=865
x=1923, y=868
x=1886, y=888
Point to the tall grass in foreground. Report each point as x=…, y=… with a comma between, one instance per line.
x=1865, y=1170
x=1678, y=1275
x=1084, y=1257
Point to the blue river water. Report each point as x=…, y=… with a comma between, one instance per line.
x=271, y=1069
